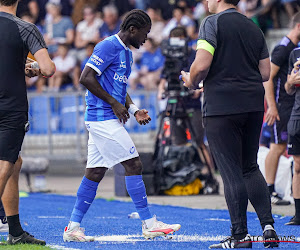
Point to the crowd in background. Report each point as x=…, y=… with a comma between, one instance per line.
x=71, y=29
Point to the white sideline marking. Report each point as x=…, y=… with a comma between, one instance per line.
x=107, y=217
x=176, y=238
x=217, y=219
x=61, y=247
x=51, y=217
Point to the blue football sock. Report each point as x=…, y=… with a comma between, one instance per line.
x=85, y=195
x=136, y=189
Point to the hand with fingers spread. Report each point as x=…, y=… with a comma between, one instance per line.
x=120, y=111
x=142, y=116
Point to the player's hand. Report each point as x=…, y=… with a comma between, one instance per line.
x=272, y=115
x=30, y=72
x=142, y=116
x=185, y=76
x=120, y=111
x=294, y=77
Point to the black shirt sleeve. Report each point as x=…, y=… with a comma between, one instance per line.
x=208, y=30
x=35, y=40
x=279, y=55
x=291, y=62
x=264, y=52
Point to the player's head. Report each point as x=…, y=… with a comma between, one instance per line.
x=8, y=2
x=295, y=24
x=137, y=24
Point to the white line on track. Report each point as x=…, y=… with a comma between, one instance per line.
x=51, y=217
x=61, y=247
x=176, y=238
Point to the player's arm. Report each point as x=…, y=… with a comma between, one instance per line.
x=272, y=112
x=46, y=65
x=292, y=80
x=89, y=80
x=141, y=115
x=206, y=46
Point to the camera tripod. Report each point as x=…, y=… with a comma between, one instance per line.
x=176, y=109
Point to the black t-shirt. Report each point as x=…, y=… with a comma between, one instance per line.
x=234, y=83
x=17, y=39
x=294, y=57
x=280, y=57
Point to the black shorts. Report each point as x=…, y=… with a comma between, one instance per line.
x=178, y=129
x=12, y=132
x=294, y=137
x=279, y=132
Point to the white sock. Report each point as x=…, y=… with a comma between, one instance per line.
x=268, y=227
x=149, y=222
x=73, y=225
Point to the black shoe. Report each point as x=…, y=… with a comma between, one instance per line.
x=270, y=237
x=24, y=238
x=230, y=242
x=277, y=200
x=293, y=222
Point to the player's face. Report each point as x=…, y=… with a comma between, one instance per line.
x=139, y=37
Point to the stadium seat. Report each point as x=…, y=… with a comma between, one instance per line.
x=38, y=115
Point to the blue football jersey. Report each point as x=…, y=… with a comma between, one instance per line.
x=112, y=60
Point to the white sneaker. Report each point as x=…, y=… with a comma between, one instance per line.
x=159, y=229
x=3, y=225
x=76, y=234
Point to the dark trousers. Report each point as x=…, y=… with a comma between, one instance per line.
x=234, y=142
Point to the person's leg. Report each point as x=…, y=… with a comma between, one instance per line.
x=296, y=186
x=136, y=189
x=257, y=189
x=224, y=134
x=10, y=199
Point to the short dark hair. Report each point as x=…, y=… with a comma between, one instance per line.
x=136, y=18
x=178, y=32
x=234, y=2
x=295, y=19
x=8, y=2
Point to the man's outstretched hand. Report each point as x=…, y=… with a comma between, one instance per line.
x=142, y=116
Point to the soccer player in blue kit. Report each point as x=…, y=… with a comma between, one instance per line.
x=108, y=106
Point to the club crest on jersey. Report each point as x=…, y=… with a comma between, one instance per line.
x=123, y=64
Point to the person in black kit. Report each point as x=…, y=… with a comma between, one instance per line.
x=280, y=105
x=292, y=87
x=17, y=39
x=233, y=60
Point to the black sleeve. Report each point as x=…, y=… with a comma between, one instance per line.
x=264, y=52
x=35, y=40
x=208, y=30
x=291, y=61
x=279, y=55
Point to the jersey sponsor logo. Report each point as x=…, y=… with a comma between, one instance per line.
x=97, y=60
x=123, y=64
x=87, y=125
x=132, y=150
x=290, y=145
x=120, y=78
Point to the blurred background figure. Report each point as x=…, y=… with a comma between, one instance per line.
x=28, y=6
x=87, y=31
x=149, y=67
x=111, y=23
x=65, y=65
x=58, y=28
x=180, y=19
x=157, y=24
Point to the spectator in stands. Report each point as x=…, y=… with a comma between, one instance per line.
x=58, y=28
x=28, y=6
x=123, y=6
x=157, y=24
x=77, y=14
x=201, y=11
x=111, y=23
x=180, y=19
x=149, y=67
x=87, y=30
x=65, y=64
x=291, y=7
